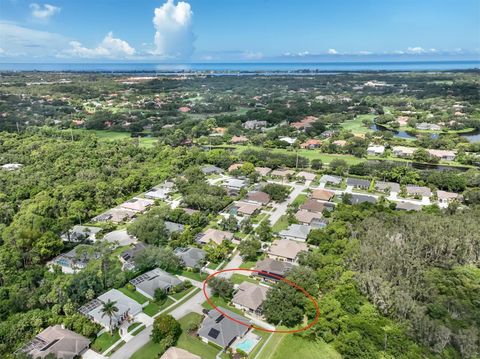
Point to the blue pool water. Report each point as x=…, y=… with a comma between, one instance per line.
x=246, y=345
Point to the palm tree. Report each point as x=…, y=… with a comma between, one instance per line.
x=109, y=308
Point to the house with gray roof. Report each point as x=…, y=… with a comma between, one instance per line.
x=81, y=233
x=358, y=183
x=191, y=257
x=250, y=297
x=269, y=266
x=407, y=206
x=210, y=169
x=420, y=191
x=220, y=330
x=296, y=232
x=336, y=180
x=147, y=283
x=76, y=259
x=173, y=227
x=128, y=256
x=387, y=187
x=127, y=309
x=362, y=198
x=56, y=341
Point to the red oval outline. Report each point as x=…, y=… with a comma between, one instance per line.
x=317, y=309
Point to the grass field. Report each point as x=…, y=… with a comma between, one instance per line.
x=182, y=294
x=105, y=341
x=292, y=346
x=220, y=302
x=356, y=125
x=153, y=308
x=199, y=277
x=240, y=278
x=281, y=224
x=301, y=199
x=118, y=135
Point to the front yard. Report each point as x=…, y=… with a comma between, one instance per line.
x=105, y=341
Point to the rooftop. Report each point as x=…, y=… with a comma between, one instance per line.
x=250, y=295
x=286, y=248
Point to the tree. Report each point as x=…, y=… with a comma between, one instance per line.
x=249, y=249
x=165, y=327
x=339, y=166
x=246, y=225
x=277, y=192
x=109, y=309
x=229, y=224
x=217, y=253
x=316, y=164
x=150, y=229
x=264, y=231
x=157, y=257
x=160, y=296
x=221, y=287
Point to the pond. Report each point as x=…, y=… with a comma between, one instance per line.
x=473, y=136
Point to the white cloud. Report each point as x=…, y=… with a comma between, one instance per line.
x=417, y=50
x=173, y=24
x=18, y=41
x=332, y=52
x=43, y=12
x=110, y=47
x=251, y=55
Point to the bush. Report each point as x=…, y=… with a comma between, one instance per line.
x=159, y=295
x=130, y=287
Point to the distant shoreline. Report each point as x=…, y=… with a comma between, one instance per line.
x=248, y=68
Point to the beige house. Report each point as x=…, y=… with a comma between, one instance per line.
x=214, y=235
x=285, y=250
x=250, y=297
x=322, y=195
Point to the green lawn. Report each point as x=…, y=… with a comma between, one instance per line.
x=105, y=135
x=153, y=308
x=186, y=341
x=265, y=336
x=281, y=224
x=183, y=293
x=292, y=346
x=136, y=296
x=220, y=302
x=248, y=265
x=356, y=125
x=105, y=341
x=133, y=326
x=301, y=199
x=239, y=278
x=212, y=265
x=199, y=277
x=259, y=217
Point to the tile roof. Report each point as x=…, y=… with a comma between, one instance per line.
x=286, y=248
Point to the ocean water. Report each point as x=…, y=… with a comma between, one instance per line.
x=244, y=68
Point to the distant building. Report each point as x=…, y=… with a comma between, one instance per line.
x=358, y=183
x=254, y=124
x=402, y=151
x=361, y=198
x=239, y=139
x=307, y=176
x=263, y=171
x=336, y=180
x=286, y=251
x=375, y=150
x=269, y=266
x=296, y=232
x=245, y=208
x=311, y=144
x=75, y=260
x=443, y=154
x=11, y=166
x=215, y=236
x=138, y=204
x=147, y=283
x=447, y=197
x=209, y=169
x=191, y=257
x=56, y=341
x=418, y=191
x=387, y=187
x=406, y=206
x=425, y=126
x=81, y=233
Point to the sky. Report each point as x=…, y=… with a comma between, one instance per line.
x=238, y=30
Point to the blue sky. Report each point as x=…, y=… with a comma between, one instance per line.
x=238, y=30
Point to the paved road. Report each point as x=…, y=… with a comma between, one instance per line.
x=281, y=208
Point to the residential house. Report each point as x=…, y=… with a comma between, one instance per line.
x=235, y=166
x=296, y=232
x=209, y=169
x=311, y=144
x=160, y=192
x=127, y=309
x=361, y=198
x=74, y=260
x=407, y=206
x=220, y=330
x=81, y=233
x=245, y=208
x=418, y=191
x=234, y=185
x=147, y=283
x=307, y=176
x=403, y=151
x=428, y=126
x=250, y=297
x=282, y=173
x=173, y=227
x=191, y=257
x=11, y=166
x=120, y=237
x=258, y=197
x=309, y=218
x=128, y=256
x=115, y=215
x=213, y=235
x=322, y=195
x=286, y=251
x=56, y=341
x=335, y=180
x=263, y=171
x=446, y=155
x=375, y=150
x=270, y=269
x=447, y=197
x=138, y=204
x=312, y=205
x=387, y=187
x=358, y=183
x=340, y=143
x=178, y=353
x=239, y=139
x=254, y=124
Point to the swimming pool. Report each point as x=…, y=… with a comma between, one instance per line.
x=247, y=344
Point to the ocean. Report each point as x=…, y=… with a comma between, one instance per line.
x=244, y=68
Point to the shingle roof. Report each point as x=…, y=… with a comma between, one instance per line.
x=221, y=330
x=419, y=190
x=307, y=217
x=178, y=353
x=258, y=196
x=361, y=198
x=287, y=249
x=273, y=266
x=312, y=205
x=407, y=206
x=330, y=179
x=357, y=182
x=322, y=194
x=191, y=257
x=297, y=231
x=155, y=279
x=250, y=295
x=214, y=235
x=383, y=186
